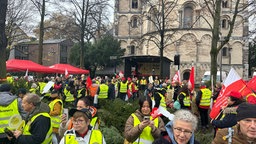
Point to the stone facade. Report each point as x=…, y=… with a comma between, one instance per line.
x=189, y=34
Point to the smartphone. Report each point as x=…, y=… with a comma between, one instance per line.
x=65, y=111
x=8, y=132
x=147, y=118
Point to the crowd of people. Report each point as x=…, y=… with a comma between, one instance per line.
x=42, y=107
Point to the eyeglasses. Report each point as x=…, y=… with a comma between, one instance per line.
x=78, y=121
x=179, y=131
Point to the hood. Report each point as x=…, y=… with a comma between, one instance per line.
x=169, y=130
x=40, y=108
x=6, y=98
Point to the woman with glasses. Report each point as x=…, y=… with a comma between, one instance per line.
x=181, y=129
x=81, y=133
x=84, y=102
x=141, y=128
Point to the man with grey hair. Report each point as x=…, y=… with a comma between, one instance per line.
x=9, y=105
x=38, y=127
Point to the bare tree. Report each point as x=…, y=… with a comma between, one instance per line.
x=214, y=8
x=40, y=6
x=59, y=26
x=3, y=40
x=89, y=19
x=161, y=18
x=18, y=13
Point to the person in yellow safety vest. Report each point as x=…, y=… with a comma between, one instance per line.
x=69, y=92
x=84, y=102
x=203, y=100
x=9, y=78
x=122, y=89
x=34, y=88
x=38, y=127
x=102, y=93
x=56, y=109
x=140, y=127
x=42, y=84
x=143, y=83
x=103, y=90
x=81, y=133
x=159, y=98
x=184, y=98
x=9, y=105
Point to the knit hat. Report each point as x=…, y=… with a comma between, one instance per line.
x=5, y=88
x=234, y=94
x=84, y=110
x=246, y=110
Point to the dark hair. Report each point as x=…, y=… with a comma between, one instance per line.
x=143, y=99
x=236, y=101
x=87, y=100
x=161, y=141
x=184, y=89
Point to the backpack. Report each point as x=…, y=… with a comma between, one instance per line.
x=177, y=105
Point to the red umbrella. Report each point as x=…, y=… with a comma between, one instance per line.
x=15, y=65
x=62, y=68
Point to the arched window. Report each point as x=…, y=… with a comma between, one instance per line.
x=132, y=49
x=134, y=22
x=224, y=3
x=188, y=17
x=224, y=51
x=134, y=4
x=224, y=23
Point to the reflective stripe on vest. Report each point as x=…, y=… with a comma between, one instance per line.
x=96, y=137
x=79, y=92
x=48, y=137
x=143, y=82
x=123, y=87
x=103, y=91
x=56, y=120
x=6, y=112
x=41, y=87
x=186, y=99
x=93, y=122
x=145, y=136
x=162, y=101
x=206, y=97
x=69, y=96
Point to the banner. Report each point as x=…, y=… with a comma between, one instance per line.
x=176, y=77
x=232, y=83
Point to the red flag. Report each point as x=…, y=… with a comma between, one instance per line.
x=155, y=113
x=88, y=82
x=191, y=81
x=232, y=82
x=252, y=84
x=176, y=77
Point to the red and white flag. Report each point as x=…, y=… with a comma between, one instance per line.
x=121, y=74
x=191, y=81
x=232, y=82
x=66, y=73
x=26, y=74
x=176, y=77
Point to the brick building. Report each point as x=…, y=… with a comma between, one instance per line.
x=54, y=51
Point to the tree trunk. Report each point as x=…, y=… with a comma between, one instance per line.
x=3, y=39
x=41, y=35
x=215, y=39
x=83, y=25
